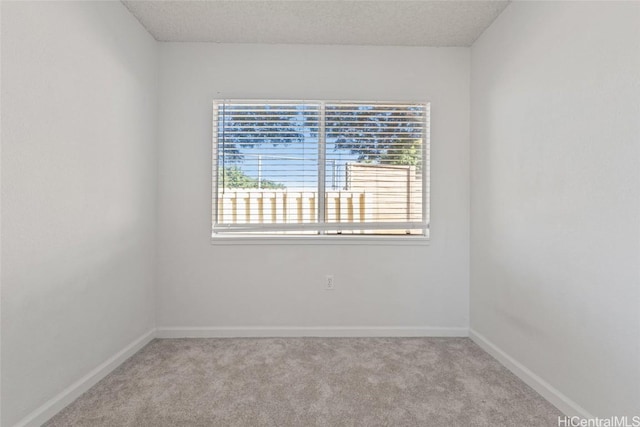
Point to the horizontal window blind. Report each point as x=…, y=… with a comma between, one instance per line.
x=320, y=167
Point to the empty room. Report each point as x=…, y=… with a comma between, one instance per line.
x=320, y=213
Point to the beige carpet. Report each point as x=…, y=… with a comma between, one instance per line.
x=310, y=382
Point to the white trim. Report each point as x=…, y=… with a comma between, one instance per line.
x=344, y=239
x=318, y=226
x=258, y=101
x=546, y=390
x=310, y=331
x=71, y=393
x=322, y=164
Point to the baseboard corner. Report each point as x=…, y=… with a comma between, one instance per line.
x=566, y=405
x=75, y=390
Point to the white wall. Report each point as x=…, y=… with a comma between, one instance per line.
x=202, y=285
x=79, y=167
x=0, y=213
x=555, y=243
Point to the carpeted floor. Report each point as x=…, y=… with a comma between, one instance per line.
x=310, y=382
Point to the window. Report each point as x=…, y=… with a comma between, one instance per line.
x=320, y=168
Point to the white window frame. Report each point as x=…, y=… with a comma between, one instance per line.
x=250, y=237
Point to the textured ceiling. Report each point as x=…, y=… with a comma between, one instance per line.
x=399, y=22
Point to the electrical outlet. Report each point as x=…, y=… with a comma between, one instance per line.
x=329, y=283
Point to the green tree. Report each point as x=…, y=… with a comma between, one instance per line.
x=234, y=177
x=409, y=154
x=246, y=126
x=377, y=133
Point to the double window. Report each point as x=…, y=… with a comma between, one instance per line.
x=320, y=168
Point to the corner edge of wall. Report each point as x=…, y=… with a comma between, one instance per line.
x=71, y=393
x=566, y=405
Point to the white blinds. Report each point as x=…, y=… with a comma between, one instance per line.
x=319, y=167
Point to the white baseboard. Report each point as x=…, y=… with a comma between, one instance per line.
x=294, y=331
x=59, y=402
x=71, y=393
x=546, y=390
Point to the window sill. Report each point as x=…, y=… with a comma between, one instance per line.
x=320, y=240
